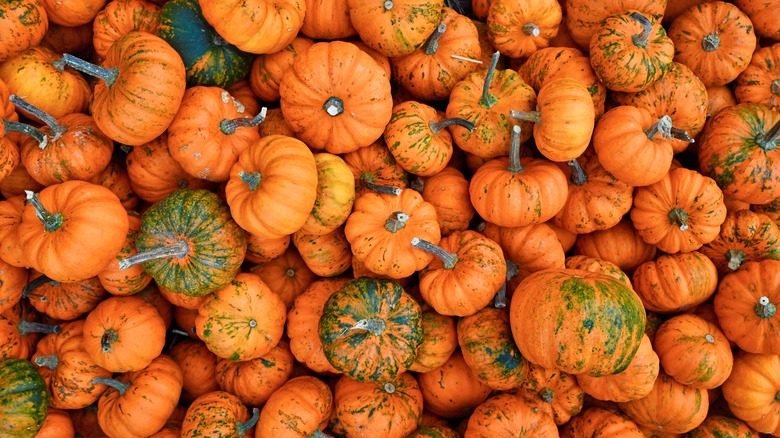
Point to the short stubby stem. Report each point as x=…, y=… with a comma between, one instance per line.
x=499, y=301
x=735, y=258
x=578, y=176
x=448, y=259
x=710, y=43
x=252, y=179
x=229, y=126
x=433, y=41
x=531, y=29
x=679, y=218
x=388, y=5
x=51, y=222
x=333, y=106
x=528, y=116
x=775, y=87
x=396, y=221
x=49, y=362
x=389, y=388
x=177, y=249
x=375, y=326
x=547, y=394
x=663, y=126
x=765, y=308
x=108, y=339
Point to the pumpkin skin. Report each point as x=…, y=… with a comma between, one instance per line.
x=201, y=220
x=217, y=413
x=328, y=20
x=24, y=400
x=715, y=39
x=751, y=389
x=131, y=280
x=717, y=426
x=620, y=245
x=542, y=321
x=680, y=213
x=396, y=28
x=335, y=195
x=762, y=15
x=9, y=157
x=208, y=59
x=370, y=329
x=243, y=320
x=300, y=407
x=255, y=26
x=254, y=381
x=198, y=366
x=452, y=390
x=374, y=166
x=23, y=24
x=448, y=192
x=12, y=280
x=597, y=422
x=287, y=275
x=554, y=393
x=584, y=17
x=11, y=251
x=120, y=17
x=519, y=28
x=71, y=13
x=673, y=283
x=63, y=301
x=124, y=334
x=592, y=264
x=268, y=70
x=276, y=173
x=262, y=250
x=389, y=408
x=745, y=305
x=505, y=416
x=439, y=342
x=760, y=81
x=327, y=255
x=115, y=178
x=340, y=114
x=83, y=219
x=57, y=424
x=744, y=236
x=737, y=153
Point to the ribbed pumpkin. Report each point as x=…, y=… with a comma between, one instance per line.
x=552, y=392
x=583, y=17
x=760, y=81
x=120, y=17
x=505, y=415
x=12, y=280
x=439, y=342
x=198, y=366
x=532, y=248
x=23, y=24
x=720, y=426
x=268, y=70
x=448, y=192
x=751, y=391
x=744, y=236
x=452, y=390
x=63, y=301
x=254, y=381
x=599, y=422
x=519, y=28
x=301, y=407
x=218, y=413
x=11, y=251
x=620, y=245
x=326, y=255
x=335, y=195
x=24, y=400
x=395, y=27
x=673, y=283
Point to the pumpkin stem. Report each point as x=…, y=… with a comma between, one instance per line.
x=290, y=273
x=125, y=148
x=252, y=179
x=679, y=218
x=177, y=249
x=108, y=75
x=528, y=116
x=764, y=308
x=467, y=59
x=396, y=221
x=775, y=87
x=333, y=106
x=27, y=327
x=531, y=29
x=388, y=5
x=681, y=134
x=514, y=151
x=51, y=361
x=641, y=39
x=578, y=176
x=547, y=394
x=35, y=284
x=24, y=128
x=417, y=184
x=663, y=126
x=768, y=141
x=499, y=301
x=243, y=427
x=367, y=182
x=709, y=338
x=735, y=257
x=449, y=259
x=319, y=434
x=109, y=337
x=228, y=126
x=433, y=42
x=389, y=388
x=711, y=42
x=488, y=100
x=511, y=269
x=116, y=384
x=441, y=124
x=217, y=40
x=375, y=326
x=51, y=222
x=57, y=129
x=179, y=332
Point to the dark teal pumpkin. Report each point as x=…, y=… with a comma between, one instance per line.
x=370, y=329
x=209, y=59
x=24, y=400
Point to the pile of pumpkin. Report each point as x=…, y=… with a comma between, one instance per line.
x=386, y=219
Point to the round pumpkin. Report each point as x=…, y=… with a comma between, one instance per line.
x=24, y=400
x=301, y=407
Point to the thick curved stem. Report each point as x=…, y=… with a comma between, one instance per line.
x=396, y=221
x=775, y=87
x=56, y=128
x=514, y=151
x=108, y=339
x=177, y=249
x=51, y=222
x=531, y=29
x=35, y=284
x=765, y=308
x=50, y=361
x=528, y=116
x=27, y=327
x=433, y=41
x=769, y=141
x=488, y=100
x=710, y=43
x=228, y=126
x=441, y=124
x=252, y=179
x=641, y=39
x=578, y=176
x=107, y=75
x=663, y=126
x=449, y=259
x=378, y=188
x=243, y=427
x=735, y=258
x=547, y=394
x=116, y=384
x=679, y=218
x=333, y=106
x=499, y=300
x=375, y=326
x=24, y=128
x=680, y=134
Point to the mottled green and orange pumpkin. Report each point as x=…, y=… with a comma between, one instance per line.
x=24, y=399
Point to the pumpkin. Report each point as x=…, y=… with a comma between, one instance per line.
x=583, y=17
x=172, y=427
x=302, y=406
x=718, y=425
x=693, y=351
x=12, y=280
x=255, y=26
x=381, y=228
x=123, y=334
x=335, y=195
x=242, y=92
x=395, y=27
x=630, y=52
x=115, y=178
x=23, y=24
x=762, y=15
x=620, y=245
x=746, y=307
x=66, y=39
x=559, y=321
x=327, y=255
x=254, y=381
x=268, y=70
x=274, y=122
x=719, y=98
x=198, y=367
x=518, y=29
x=276, y=173
x=85, y=422
x=506, y=415
x=389, y=408
x=126, y=106
x=208, y=59
x=218, y=413
x=71, y=13
x=63, y=301
x=243, y=320
x=751, y=391
x=552, y=392
x=452, y=390
x=131, y=280
x=715, y=40
x=328, y=20
x=57, y=424
x=150, y=393
x=530, y=248
x=287, y=275
x=262, y=250
x=744, y=236
x=439, y=342
x=121, y=17
x=370, y=329
x=673, y=283
x=434, y=432
x=738, y=150
x=448, y=192
x=597, y=422
x=760, y=81
x=71, y=231
x=181, y=237
x=679, y=213
x=24, y=400
x=210, y=131
x=431, y=71
x=514, y=191
x=18, y=180
x=9, y=157
x=342, y=111
x=11, y=251
x=375, y=169
x=18, y=327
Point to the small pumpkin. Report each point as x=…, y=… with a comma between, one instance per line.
x=439, y=342
x=375, y=169
x=262, y=250
x=760, y=81
x=198, y=367
x=554, y=393
x=673, y=283
x=254, y=381
x=718, y=425
x=268, y=70
x=620, y=245
x=505, y=414
x=287, y=275
x=327, y=255
x=218, y=413
x=120, y=17
x=744, y=236
x=12, y=281
x=599, y=422
x=23, y=24
x=24, y=400
x=63, y=301
x=519, y=28
x=452, y=390
x=448, y=192
x=128, y=281
x=583, y=17
x=380, y=25
x=335, y=195
x=751, y=391
x=11, y=251
x=301, y=407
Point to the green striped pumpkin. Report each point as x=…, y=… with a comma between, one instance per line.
x=208, y=58
x=24, y=400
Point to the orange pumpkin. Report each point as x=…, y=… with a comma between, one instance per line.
x=380, y=25
x=12, y=280
x=63, y=301
x=268, y=70
x=254, y=381
x=198, y=367
x=673, y=283
x=744, y=236
x=335, y=195
x=552, y=392
x=22, y=24
x=583, y=17
x=218, y=413
x=301, y=407
x=760, y=81
x=519, y=28
x=506, y=415
x=326, y=255
x=287, y=275
x=751, y=389
x=452, y=390
x=599, y=422
x=620, y=245
x=120, y=17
